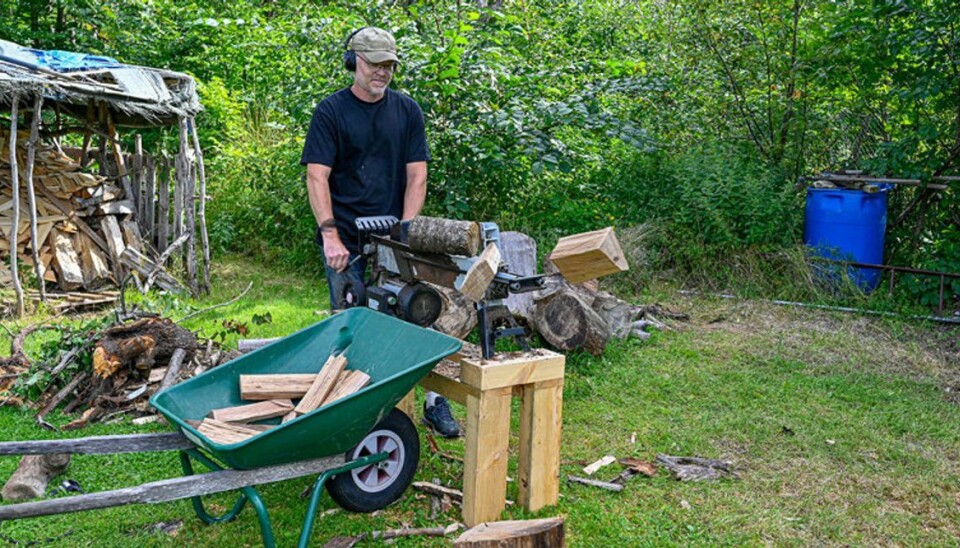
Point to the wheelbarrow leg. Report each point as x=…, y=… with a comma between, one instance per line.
x=249, y=493
x=318, y=491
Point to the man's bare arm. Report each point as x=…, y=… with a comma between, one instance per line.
x=416, y=191
x=318, y=189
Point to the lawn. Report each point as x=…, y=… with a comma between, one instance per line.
x=843, y=430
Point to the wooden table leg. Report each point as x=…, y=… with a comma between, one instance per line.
x=486, y=453
x=408, y=405
x=540, y=425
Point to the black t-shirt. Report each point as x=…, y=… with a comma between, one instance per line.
x=367, y=146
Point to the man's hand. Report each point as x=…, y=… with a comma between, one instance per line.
x=335, y=252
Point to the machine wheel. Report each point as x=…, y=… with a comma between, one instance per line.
x=375, y=486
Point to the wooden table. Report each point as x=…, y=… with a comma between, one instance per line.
x=486, y=388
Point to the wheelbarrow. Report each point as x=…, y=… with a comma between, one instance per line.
x=364, y=450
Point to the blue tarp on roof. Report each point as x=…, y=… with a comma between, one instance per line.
x=66, y=61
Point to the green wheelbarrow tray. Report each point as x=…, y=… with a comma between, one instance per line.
x=396, y=355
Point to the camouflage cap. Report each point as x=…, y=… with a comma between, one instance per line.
x=376, y=45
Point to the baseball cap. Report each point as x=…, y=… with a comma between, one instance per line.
x=376, y=45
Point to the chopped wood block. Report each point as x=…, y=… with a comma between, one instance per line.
x=93, y=263
x=66, y=262
x=253, y=411
x=590, y=255
x=131, y=234
x=350, y=382
x=278, y=386
x=225, y=433
x=516, y=534
x=323, y=384
x=481, y=274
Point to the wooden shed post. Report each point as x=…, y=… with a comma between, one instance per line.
x=189, y=209
x=35, y=243
x=202, y=209
x=15, y=220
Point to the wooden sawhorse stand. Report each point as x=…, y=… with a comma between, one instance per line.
x=486, y=387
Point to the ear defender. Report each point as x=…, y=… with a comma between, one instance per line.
x=350, y=56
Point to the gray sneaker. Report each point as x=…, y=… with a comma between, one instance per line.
x=440, y=418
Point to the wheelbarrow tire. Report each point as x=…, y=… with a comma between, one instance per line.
x=373, y=487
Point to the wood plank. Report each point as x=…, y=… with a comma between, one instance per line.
x=452, y=389
x=587, y=256
x=322, y=385
x=163, y=204
x=253, y=412
x=115, y=245
x=171, y=489
x=149, y=199
x=529, y=368
x=479, y=277
x=66, y=261
x=225, y=433
x=131, y=234
x=99, y=445
x=277, y=386
x=93, y=263
x=485, y=456
x=349, y=383
x=541, y=424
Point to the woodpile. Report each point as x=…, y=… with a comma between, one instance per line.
x=272, y=396
x=85, y=223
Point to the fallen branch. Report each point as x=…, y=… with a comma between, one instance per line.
x=696, y=468
x=596, y=483
x=60, y=396
x=162, y=260
x=221, y=305
x=173, y=369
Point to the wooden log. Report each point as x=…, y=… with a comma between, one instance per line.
x=163, y=206
x=249, y=345
x=348, y=383
x=480, y=276
x=202, y=208
x=567, y=321
x=323, y=384
x=15, y=197
x=170, y=489
x=588, y=256
x=189, y=212
x=520, y=255
x=66, y=261
x=514, y=534
x=445, y=236
x=225, y=433
x=99, y=445
x=137, y=261
x=31, y=477
x=277, y=386
x=459, y=315
x=173, y=369
x=254, y=411
x=35, y=241
x=596, y=483
x=115, y=245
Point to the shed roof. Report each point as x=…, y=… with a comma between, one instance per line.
x=136, y=96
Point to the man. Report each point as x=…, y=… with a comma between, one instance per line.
x=366, y=154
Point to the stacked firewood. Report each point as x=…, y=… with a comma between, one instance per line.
x=84, y=222
x=274, y=394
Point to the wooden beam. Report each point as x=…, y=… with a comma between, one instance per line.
x=485, y=456
x=171, y=489
x=99, y=445
x=541, y=423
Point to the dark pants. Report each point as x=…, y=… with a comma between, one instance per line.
x=339, y=282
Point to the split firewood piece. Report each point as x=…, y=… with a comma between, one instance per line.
x=596, y=483
x=253, y=412
x=583, y=257
x=516, y=534
x=277, y=386
x=289, y=417
x=225, y=433
x=481, y=274
x=33, y=474
x=348, y=383
x=591, y=469
x=322, y=385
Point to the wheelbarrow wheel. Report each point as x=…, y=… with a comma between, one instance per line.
x=373, y=487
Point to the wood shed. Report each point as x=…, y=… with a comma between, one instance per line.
x=92, y=217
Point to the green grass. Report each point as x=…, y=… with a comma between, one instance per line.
x=844, y=430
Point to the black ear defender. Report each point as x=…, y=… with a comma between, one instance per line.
x=350, y=56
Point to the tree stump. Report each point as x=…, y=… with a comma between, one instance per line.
x=532, y=533
x=30, y=479
x=140, y=344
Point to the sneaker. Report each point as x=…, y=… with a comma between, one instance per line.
x=440, y=418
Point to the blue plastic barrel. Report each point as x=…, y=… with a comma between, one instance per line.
x=849, y=225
